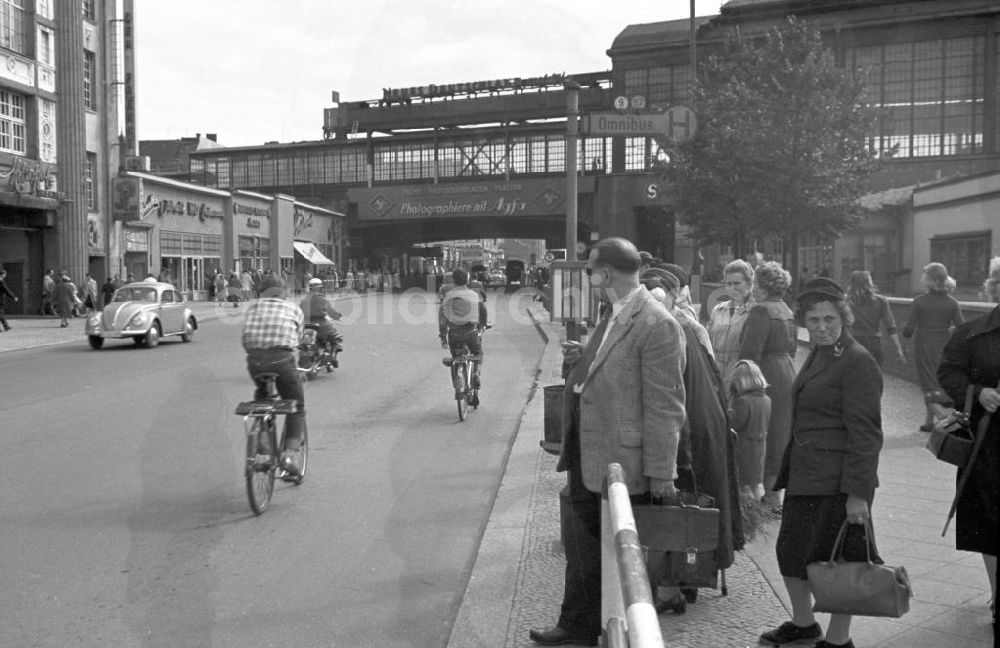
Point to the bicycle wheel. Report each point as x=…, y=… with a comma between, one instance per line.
x=260, y=479
x=462, y=395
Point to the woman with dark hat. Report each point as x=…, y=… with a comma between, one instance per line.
x=829, y=468
x=972, y=359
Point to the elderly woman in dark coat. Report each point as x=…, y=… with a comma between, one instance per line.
x=972, y=357
x=706, y=456
x=770, y=338
x=829, y=469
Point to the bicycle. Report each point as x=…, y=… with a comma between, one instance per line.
x=261, y=430
x=463, y=364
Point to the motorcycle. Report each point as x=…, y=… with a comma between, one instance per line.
x=314, y=356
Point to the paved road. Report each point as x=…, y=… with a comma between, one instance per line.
x=124, y=517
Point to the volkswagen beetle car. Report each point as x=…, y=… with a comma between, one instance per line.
x=144, y=311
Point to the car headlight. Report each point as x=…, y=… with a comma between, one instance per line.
x=137, y=321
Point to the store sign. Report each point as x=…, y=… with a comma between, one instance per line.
x=125, y=199
x=303, y=221
x=522, y=198
x=250, y=210
x=30, y=177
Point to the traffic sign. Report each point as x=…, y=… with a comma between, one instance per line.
x=677, y=124
x=621, y=103
x=683, y=124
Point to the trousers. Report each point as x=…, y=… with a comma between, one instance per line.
x=289, y=384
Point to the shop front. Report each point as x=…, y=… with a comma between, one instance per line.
x=175, y=233
x=317, y=240
x=251, y=215
x=28, y=232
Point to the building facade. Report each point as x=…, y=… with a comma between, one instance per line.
x=66, y=97
x=934, y=66
x=186, y=234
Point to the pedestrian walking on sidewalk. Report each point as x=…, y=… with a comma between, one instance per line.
x=66, y=299
x=108, y=291
x=624, y=403
x=829, y=470
x=48, y=284
x=933, y=315
x=5, y=294
x=872, y=313
x=706, y=457
x=972, y=357
x=770, y=338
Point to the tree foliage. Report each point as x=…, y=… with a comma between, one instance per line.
x=781, y=144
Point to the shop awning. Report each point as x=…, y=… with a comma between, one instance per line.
x=311, y=253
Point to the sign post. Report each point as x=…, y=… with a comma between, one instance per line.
x=572, y=138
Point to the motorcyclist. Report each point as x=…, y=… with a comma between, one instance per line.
x=271, y=335
x=319, y=312
x=461, y=318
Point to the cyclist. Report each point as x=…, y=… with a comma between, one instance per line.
x=461, y=318
x=271, y=335
x=320, y=313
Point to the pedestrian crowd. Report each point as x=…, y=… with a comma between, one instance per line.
x=716, y=416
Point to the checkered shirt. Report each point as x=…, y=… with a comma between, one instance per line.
x=272, y=323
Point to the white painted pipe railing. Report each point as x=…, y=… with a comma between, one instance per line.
x=627, y=612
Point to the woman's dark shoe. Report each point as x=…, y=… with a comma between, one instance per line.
x=790, y=634
x=556, y=636
x=676, y=603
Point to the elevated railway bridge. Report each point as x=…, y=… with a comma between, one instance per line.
x=463, y=161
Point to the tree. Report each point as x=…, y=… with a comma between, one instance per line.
x=781, y=144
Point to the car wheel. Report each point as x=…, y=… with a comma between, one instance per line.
x=96, y=342
x=152, y=336
x=188, y=330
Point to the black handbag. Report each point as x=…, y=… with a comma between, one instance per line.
x=689, y=534
x=858, y=588
x=951, y=438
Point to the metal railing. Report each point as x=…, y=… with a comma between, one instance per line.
x=627, y=612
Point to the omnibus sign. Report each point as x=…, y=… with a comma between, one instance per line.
x=677, y=124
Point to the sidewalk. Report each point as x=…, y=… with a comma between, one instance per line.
x=516, y=583
x=34, y=331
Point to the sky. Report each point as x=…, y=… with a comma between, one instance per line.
x=254, y=71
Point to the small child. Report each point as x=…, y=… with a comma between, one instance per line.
x=750, y=414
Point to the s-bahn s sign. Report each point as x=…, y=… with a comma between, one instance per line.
x=677, y=124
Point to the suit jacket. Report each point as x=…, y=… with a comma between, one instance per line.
x=836, y=423
x=631, y=406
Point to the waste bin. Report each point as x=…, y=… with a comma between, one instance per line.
x=554, y=395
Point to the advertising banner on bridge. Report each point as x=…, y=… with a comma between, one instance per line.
x=514, y=198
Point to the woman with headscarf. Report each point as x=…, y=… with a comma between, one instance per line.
x=933, y=315
x=770, y=339
x=706, y=455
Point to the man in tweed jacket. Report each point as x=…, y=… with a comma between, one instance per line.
x=624, y=403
